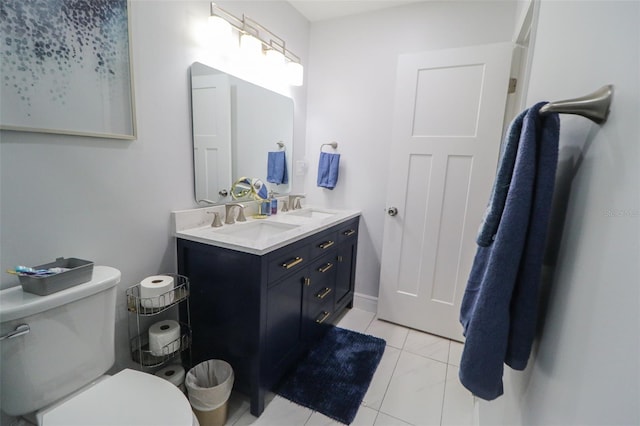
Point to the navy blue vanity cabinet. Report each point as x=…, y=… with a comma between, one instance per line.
x=261, y=313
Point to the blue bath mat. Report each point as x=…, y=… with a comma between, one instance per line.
x=335, y=375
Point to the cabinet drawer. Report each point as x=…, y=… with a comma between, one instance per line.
x=319, y=288
x=321, y=273
x=318, y=320
x=322, y=314
x=348, y=231
x=324, y=243
x=321, y=294
x=283, y=262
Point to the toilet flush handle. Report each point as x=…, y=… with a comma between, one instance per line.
x=20, y=330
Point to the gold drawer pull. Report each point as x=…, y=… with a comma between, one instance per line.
x=326, y=267
x=324, y=294
x=349, y=233
x=326, y=244
x=307, y=281
x=293, y=262
x=325, y=315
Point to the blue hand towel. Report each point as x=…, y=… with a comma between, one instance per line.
x=328, y=170
x=499, y=306
x=277, y=168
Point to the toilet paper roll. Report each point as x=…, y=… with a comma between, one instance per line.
x=156, y=291
x=173, y=373
x=164, y=338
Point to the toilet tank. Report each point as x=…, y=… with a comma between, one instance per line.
x=70, y=341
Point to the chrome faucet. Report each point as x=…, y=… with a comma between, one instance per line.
x=216, y=220
x=294, y=201
x=228, y=216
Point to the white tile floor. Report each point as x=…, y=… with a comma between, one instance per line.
x=416, y=383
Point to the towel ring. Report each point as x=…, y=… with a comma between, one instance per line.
x=280, y=145
x=333, y=145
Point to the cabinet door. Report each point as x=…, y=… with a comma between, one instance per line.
x=346, y=263
x=283, y=330
x=345, y=272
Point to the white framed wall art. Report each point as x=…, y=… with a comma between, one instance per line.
x=66, y=68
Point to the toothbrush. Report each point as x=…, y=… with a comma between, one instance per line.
x=30, y=274
x=25, y=270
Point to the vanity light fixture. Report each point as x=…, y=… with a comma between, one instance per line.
x=274, y=58
x=250, y=46
x=258, y=42
x=221, y=33
x=295, y=73
x=219, y=27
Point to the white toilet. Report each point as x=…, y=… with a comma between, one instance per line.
x=52, y=368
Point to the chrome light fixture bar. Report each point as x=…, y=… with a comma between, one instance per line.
x=270, y=42
x=268, y=39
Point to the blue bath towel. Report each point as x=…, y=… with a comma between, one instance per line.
x=328, y=170
x=277, y=168
x=494, y=210
x=499, y=306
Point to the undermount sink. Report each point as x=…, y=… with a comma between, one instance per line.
x=311, y=213
x=254, y=230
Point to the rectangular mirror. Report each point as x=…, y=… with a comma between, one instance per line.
x=235, y=126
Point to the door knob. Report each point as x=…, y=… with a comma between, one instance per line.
x=392, y=211
x=223, y=193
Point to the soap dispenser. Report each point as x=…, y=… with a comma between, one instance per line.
x=274, y=203
x=265, y=207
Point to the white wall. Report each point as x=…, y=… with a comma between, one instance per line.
x=110, y=200
x=585, y=369
x=351, y=94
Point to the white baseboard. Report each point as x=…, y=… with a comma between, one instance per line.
x=365, y=302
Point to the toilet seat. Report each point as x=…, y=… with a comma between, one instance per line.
x=128, y=398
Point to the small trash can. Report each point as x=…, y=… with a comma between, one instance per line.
x=209, y=386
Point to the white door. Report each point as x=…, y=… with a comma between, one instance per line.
x=446, y=139
x=211, y=100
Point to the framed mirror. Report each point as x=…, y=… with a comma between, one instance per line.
x=236, y=124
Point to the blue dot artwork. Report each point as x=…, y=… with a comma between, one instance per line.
x=44, y=44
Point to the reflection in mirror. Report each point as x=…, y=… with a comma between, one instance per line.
x=241, y=189
x=236, y=124
x=249, y=189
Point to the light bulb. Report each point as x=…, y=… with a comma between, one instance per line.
x=274, y=69
x=274, y=58
x=295, y=72
x=221, y=36
x=250, y=46
x=220, y=28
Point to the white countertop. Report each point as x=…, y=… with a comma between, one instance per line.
x=195, y=225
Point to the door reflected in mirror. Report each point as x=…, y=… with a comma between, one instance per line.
x=235, y=126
